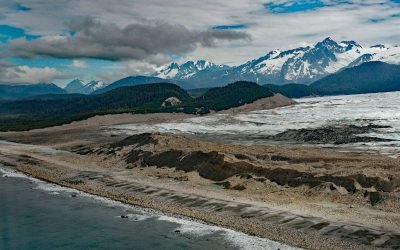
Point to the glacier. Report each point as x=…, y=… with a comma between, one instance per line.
x=256, y=128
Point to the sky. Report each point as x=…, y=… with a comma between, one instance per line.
x=57, y=41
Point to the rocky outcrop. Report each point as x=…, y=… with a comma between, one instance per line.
x=171, y=101
x=332, y=134
x=136, y=140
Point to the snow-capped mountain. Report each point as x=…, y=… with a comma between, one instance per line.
x=188, y=69
x=300, y=65
x=80, y=87
x=308, y=64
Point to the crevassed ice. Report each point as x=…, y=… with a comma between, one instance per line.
x=378, y=109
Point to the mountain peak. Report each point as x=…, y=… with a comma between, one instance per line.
x=328, y=40
x=173, y=65
x=203, y=64
x=74, y=86
x=77, y=81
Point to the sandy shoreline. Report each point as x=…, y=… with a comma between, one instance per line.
x=245, y=225
x=85, y=157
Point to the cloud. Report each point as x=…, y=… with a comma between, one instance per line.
x=13, y=74
x=339, y=19
x=128, y=68
x=79, y=64
x=93, y=39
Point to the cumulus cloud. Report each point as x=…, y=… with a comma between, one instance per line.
x=22, y=74
x=93, y=39
x=79, y=64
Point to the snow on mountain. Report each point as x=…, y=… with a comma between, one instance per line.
x=385, y=54
x=94, y=85
x=80, y=87
x=300, y=65
x=188, y=69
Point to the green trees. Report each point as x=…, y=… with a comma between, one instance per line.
x=49, y=110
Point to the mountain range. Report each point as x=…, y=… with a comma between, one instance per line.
x=303, y=65
x=300, y=65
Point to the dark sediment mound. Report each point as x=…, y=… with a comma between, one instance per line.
x=209, y=165
x=332, y=134
x=138, y=140
x=183, y=154
x=213, y=166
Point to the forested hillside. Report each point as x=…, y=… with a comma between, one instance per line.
x=49, y=110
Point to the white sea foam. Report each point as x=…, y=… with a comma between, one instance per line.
x=138, y=217
x=8, y=172
x=237, y=239
x=53, y=188
x=191, y=227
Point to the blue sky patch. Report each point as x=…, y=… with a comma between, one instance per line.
x=231, y=26
x=376, y=20
x=9, y=32
x=301, y=5
x=22, y=7
x=294, y=6
x=40, y=62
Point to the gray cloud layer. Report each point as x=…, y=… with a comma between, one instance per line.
x=14, y=74
x=93, y=39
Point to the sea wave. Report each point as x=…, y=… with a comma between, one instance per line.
x=237, y=239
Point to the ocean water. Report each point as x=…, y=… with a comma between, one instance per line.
x=255, y=127
x=38, y=215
